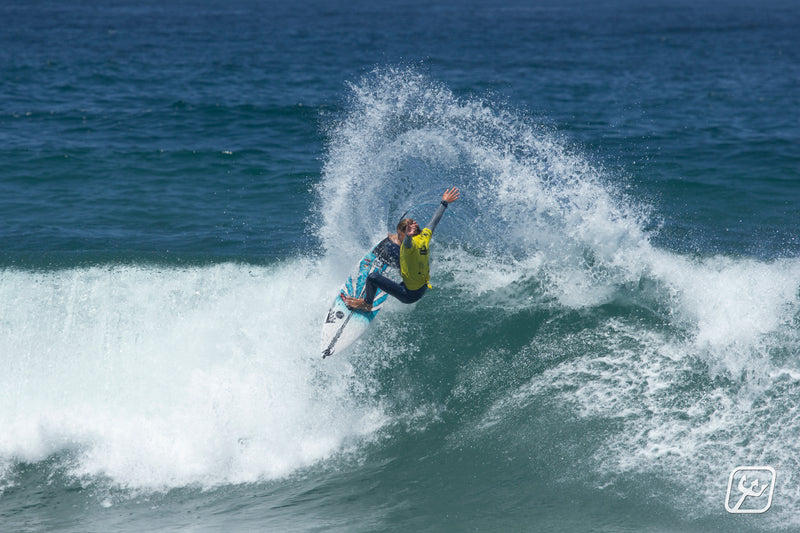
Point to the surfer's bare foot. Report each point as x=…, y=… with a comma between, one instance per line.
x=356, y=303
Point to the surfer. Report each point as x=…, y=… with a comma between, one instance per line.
x=412, y=258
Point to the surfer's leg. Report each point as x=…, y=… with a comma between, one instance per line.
x=413, y=296
x=375, y=281
x=371, y=287
x=398, y=290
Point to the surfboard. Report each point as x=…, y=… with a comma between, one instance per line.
x=343, y=326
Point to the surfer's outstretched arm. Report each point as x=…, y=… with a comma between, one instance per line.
x=450, y=195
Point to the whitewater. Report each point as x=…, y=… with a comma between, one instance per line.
x=555, y=329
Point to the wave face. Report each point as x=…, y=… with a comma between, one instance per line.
x=561, y=354
x=566, y=336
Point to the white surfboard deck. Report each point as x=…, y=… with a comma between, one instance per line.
x=343, y=326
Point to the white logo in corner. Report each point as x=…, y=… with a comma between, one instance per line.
x=750, y=489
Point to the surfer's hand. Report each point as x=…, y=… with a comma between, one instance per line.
x=451, y=195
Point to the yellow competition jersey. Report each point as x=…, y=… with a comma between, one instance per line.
x=414, y=261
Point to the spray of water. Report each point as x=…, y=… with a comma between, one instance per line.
x=157, y=378
x=705, y=384
x=166, y=377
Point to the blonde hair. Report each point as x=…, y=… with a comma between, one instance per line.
x=403, y=225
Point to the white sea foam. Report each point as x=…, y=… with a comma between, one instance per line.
x=406, y=139
x=158, y=378
x=709, y=384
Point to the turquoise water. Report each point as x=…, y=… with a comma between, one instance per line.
x=613, y=327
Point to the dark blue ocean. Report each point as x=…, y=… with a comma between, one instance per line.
x=614, y=327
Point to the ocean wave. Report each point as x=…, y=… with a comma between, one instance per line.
x=681, y=364
x=156, y=378
x=556, y=331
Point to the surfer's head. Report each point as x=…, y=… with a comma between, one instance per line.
x=408, y=226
